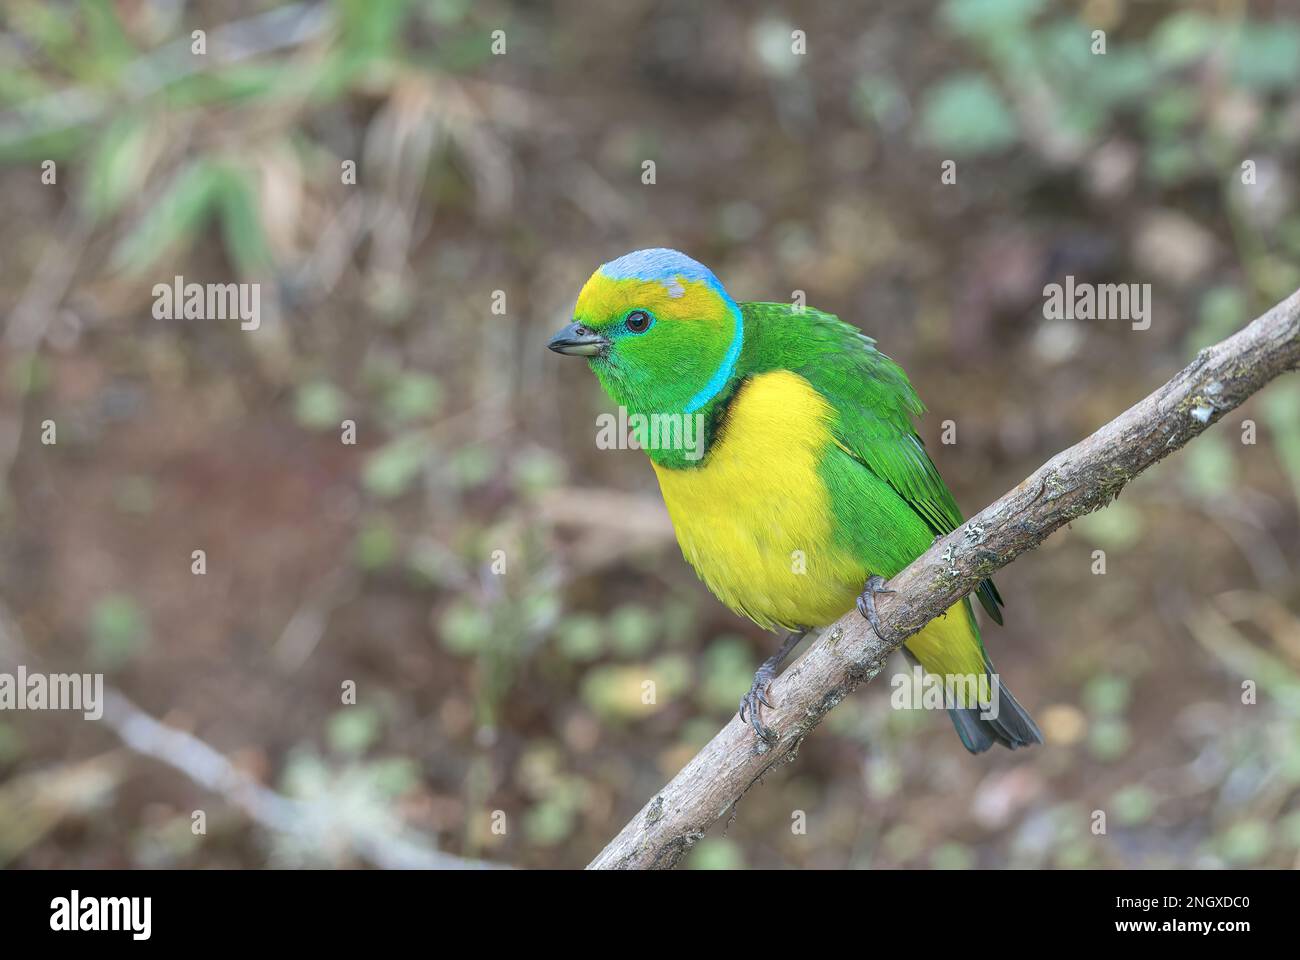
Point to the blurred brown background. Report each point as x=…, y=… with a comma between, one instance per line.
x=513, y=701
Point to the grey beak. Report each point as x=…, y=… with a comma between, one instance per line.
x=578, y=341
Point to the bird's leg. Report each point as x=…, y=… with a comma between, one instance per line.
x=762, y=682
x=867, y=602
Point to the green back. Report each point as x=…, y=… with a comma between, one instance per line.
x=875, y=404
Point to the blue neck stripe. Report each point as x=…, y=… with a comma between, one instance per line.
x=725, y=369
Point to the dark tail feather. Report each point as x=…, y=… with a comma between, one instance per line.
x=990, y=600
x=1012, y=727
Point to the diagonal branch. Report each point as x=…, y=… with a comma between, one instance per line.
x=1077, y=481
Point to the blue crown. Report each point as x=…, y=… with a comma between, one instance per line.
x=662, y=265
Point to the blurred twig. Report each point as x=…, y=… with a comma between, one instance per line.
x=1077, y=481
x=30, y=319
x=318, y=824
x=315, y=822
x=305, y=628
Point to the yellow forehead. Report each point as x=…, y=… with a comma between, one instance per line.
x=604, y=299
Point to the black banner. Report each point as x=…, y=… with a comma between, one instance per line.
x=332, y=908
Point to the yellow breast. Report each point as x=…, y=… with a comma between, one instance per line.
x=755, y=520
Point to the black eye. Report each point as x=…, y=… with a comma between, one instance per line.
x=638, y=321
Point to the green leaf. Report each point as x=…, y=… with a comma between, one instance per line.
x=472, y=465
x=1267, y=56
x=549, y=823
x=1184, y=37
x=618, y=691
x=633, y=628
x=1107, y=694
x=1076, y=855
x=21, y=86
x=413, y=396
x=104, y=36
x=376, y=545
x=1126, y=76
x=1170, y=163
x=717, y=853
x=371, y=28
x=1134, y=804
x=393, y=776
x=580, y=637
x=1246, y=842
x=465, y=628
x=353, y=729
x=952, y=856
x=879, y=99
x=965, y=115
x=1170, y=112
x=674, y=673
x=178, y=214
x=447, y=13
x=241, y=222
x=1065, y=46
x=42, y=26
x=1109, y=739
x=116, y=167
x=391, y=469
x=319, y=405
x=49, y=140
x=989, y=18
x=261, y=82
x=118, y=632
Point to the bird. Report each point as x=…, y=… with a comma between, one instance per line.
x=787, y=456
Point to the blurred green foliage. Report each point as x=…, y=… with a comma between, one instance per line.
x=118, y=631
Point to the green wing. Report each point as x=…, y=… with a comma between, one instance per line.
x=876, y=403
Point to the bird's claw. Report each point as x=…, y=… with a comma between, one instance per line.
x=749, y=707
x=867, y=602
x=762, y=686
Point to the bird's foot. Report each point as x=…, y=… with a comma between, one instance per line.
x=762, y=684
x=867, y=602
x=758, y=694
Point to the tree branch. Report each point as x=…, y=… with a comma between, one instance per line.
x=1075, y=482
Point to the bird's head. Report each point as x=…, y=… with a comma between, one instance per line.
x=659, y=331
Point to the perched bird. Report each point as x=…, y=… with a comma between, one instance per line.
x=807, y=486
